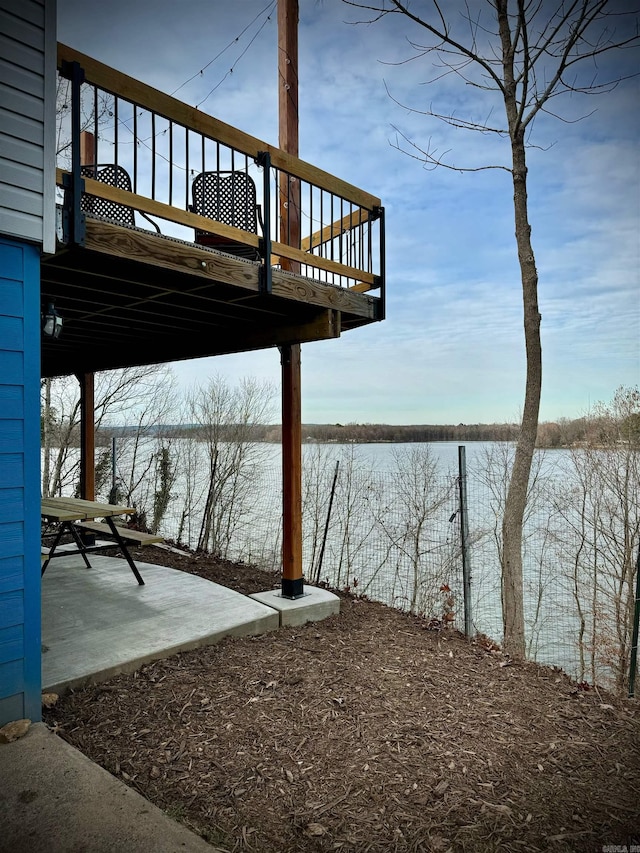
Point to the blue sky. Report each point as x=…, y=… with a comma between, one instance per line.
x=451, y=349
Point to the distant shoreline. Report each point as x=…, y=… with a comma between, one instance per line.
x=566, y=433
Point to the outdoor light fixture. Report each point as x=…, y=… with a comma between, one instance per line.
x=51, y=322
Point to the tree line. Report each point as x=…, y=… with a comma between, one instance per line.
x=564, y=433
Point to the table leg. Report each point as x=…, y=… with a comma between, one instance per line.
x=64, y=525
x=124, y=549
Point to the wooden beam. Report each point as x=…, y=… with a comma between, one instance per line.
x=149, y=248
x=321, y=263
x=168, y=254
x=352, y=220
x=324, y=326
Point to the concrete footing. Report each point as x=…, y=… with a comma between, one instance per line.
x=314, y=605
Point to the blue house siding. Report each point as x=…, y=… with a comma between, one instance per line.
x=20, y=680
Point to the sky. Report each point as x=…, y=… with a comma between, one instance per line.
x=451, y=349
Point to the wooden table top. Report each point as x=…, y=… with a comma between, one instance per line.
x=76, y=509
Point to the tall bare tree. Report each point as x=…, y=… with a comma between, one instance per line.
x=527, y=52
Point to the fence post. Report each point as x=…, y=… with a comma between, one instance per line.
x=316, y=577
x=464, y=535
x=113, y=494
x=634, y=641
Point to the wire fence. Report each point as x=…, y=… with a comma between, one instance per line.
x=395, y=535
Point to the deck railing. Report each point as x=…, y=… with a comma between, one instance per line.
x=315, y=224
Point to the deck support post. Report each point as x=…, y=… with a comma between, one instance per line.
x=87, y=437
x=289, y=202
x=292, y=581
x=87, y=380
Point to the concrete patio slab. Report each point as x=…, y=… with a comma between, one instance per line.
x=98, y=622
x=315, y=604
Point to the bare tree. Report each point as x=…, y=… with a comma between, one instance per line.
x=133, y=395
x=528, y=53
x=226, y=420
x=601, y=536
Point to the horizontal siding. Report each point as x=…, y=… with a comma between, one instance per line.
x=11, y=304
x=11, y=572
x=11, y=333
x=29, y=225
x=11, y=474
x=28, y=10
x=23, y=31
x=12, y=707
x=27, y=120
x=11, y=435
x=14, y=150
x=11, y=643
x=20, y=199
x=19, y=102
x=11, y=532
x=24, y=79
x=11, y=612
x=11, y=509
x=11, y=401
x=12, y=367
x=11, y=678
x=21, y=127
x=22, y=176
x=21, y=56
x=20, y=631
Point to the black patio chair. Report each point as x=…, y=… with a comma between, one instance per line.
x=228, y=197
x=115, y=176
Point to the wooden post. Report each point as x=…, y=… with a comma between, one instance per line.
x=86, y=380
x=289, y=190
x=87, y=437
x=87, y=149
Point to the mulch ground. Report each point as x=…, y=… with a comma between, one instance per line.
x=366, y=732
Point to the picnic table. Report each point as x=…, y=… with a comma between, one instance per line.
x=74, y=516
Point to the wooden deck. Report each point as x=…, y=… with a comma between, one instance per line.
x=131, y=296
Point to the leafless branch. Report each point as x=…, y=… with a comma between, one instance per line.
x=430, y=158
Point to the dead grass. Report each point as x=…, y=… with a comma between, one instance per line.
x=365, y=732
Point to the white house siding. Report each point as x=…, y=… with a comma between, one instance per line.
x=27, y=120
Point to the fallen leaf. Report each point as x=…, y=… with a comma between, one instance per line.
x=505, y=811
x=440, y=788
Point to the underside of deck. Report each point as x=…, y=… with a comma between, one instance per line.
x=134, y=297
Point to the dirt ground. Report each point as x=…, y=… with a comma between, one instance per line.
x=365, y=733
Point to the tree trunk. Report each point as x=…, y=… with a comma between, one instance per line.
x=46, y=440
x=512, y=578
